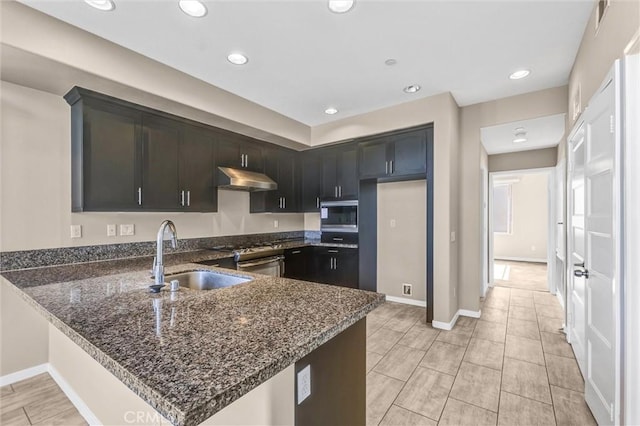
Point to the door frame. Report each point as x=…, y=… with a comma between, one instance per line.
x=486, y=267
x=551, y=228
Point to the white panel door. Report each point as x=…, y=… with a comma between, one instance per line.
x=602, y=193
x=576, y=243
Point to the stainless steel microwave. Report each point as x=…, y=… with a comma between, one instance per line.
x=339, y=216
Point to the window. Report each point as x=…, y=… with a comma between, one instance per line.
x=502, y=208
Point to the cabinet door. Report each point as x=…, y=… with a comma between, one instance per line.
x=253, y=159
x=373, y=159
x=329, y=174
x=348, y=173
x=228, y=152
x=323, y=266
x=287, y=180
x=295, y=263
x=161, y=140
x=346, y=265
x=409, y=153
x=311, y=170
x=197, y=174
x=267, y=201
x=107, y=152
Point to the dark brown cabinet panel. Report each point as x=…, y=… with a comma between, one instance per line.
x=400, y=155
x=106, y=151
x=311, y=191
x=340, y=172
x=160, y=179
x=239, y=152
x=373, y=159
x=298, y=263
x=336, y=265
x=280, y=165
x=198, y=192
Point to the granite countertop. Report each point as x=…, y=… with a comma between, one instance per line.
x=190, y=353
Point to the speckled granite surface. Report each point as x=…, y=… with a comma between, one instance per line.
x=192, y=353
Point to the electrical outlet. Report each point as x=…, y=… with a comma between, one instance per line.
x=276, y=223
x=407, y=289
x=392, y=223
x=304, y=384
x=111, y=230
x=127, y=229
x=453, y=236
x=76, y=231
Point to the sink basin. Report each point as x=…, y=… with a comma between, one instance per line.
x=206, y=280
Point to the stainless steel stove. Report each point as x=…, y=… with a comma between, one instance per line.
x=261, y=258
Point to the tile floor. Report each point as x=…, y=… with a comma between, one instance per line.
x=37, y=401
x=509, y=367
x=522, y=275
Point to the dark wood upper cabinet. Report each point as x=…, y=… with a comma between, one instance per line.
x=198, y=190
x=239, y=152
x=279, y=165
x=399, y=155
x=340, y=172
x=311, y=188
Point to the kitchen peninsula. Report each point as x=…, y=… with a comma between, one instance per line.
x=190, y=354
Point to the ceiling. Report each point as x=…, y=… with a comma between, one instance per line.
x=304, y=58
x=542, y=132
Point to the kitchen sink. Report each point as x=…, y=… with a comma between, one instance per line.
x=206, y=280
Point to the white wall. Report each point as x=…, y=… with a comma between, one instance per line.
x=402, y=249
x=35, y=187
x=528, y=239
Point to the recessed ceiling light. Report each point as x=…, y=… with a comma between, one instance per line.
x=105, y=5
x=193, y=8
x=341, y=6
x=517, y=75
x=390, y=62
x=520, y=135
x=331, y=111
x=237, y=58
x=413, y=88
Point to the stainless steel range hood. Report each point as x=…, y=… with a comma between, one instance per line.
x=244, y=180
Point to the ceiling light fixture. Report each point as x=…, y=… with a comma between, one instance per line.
x=517, y=75
x=390, y=62
x=104, y=5
x=192, y=8
x=520, y=135
x=331, y=111
x=413, y=88
x=341, y=6
x=237, y=58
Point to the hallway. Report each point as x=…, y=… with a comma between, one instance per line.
x=510, y=367
x=520, y=275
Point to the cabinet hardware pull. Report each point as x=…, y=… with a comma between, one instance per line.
x=241, y=160
x=335, y=191
x=246, y=160
x=340, y=191
x=284, y=202
x=386, y=167
x=337, y=239
x=139, y=195
x=391, y=166
x=335, y=263
x=296, y=252
x=317, y=202
x=188, y=198
x=332, y=251
x=182, y=198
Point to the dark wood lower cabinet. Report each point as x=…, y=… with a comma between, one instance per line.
x=327, y=265
x=338, y=381
x=296, y=263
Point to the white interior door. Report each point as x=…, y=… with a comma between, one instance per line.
x=576, y=244
x=602, y=194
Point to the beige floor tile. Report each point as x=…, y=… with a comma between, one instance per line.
x=460, y=336
x=381, y=391
x=564, y=372
x=36, y=382
x=374, y=323
x=499, y=292
x=382, y=340
x=525, y=302
x=494, y=315
x=550, y=311
x=6, y=390
x=399, y=362
x=70, y=417
x=516, y=410
x=458, y=413
x=541, y=298
x=490, y=331
x=550, y=325
x=524, y=349
x=466, y=322
x=571, y=408
x=476, y=385
x=372, y=359
x=485, y=352
x=397, y=416
x=52, y=404
x=386, y=311
x=526, y=379
x=27, y=395
x=516, y=292
x=518, y=312
x=497, y=303
x=15, y=417
x=443, y=357
x=420, y=336
x=426, y=392
x=522, y=328
x=404, y=319
x=556, y=344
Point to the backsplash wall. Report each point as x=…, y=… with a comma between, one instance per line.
x=35, y=187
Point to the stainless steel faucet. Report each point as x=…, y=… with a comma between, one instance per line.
x=158, y=266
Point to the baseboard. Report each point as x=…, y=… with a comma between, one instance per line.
x=27, y=373
x=75, y=399
x=521, y=259
x=406, y=301
x=449, y=325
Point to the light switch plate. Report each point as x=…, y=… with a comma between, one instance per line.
x=304, y=384
x=453, y=236
x=127, y=230
x=111, y=230
x=76, y=231
x=276, y=223
x=392, y=223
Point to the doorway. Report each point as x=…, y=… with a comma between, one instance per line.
x=521, y=238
